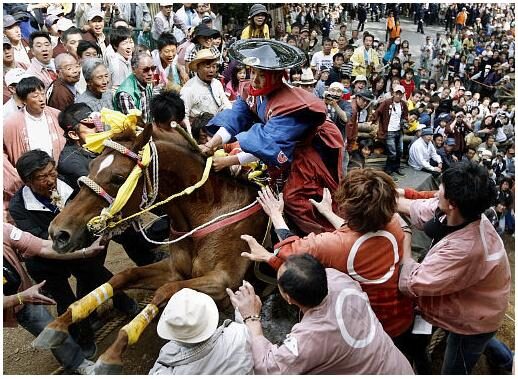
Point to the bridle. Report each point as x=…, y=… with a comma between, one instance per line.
x=110, y=217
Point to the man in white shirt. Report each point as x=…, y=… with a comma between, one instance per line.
x=423, y=156
x=13, y=32
x=323, y=57
x=203, y=93
x=186, y=14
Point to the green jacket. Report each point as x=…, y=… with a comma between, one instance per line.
x=130, y=86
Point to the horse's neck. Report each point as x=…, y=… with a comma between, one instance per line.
x=180, y=169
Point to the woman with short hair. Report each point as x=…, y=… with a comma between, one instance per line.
x=97, y=94
x=367, y=243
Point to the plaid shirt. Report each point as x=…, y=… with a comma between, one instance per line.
x=125, y=102
x=192, y=54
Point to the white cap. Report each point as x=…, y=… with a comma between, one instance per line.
x=14, y=75
x=420, y=127
x=55, y=10
x=166, y=4
x=400, y=88
x=338, y=85
x=64, y=24
x=93, y=13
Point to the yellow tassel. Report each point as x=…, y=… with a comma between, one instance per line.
x=254, y=174
x=118, y=123
x=136, y=326
x=83, y=307
x=220, y=153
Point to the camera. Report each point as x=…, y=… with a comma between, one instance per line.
x=330, y=96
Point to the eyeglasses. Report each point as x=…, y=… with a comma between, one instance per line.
x=51, y=174
x=147, y=69
x=70, y=67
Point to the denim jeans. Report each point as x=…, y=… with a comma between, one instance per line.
x=462, y=352
x=499, y=354
x=394, y=144
x=34, y=318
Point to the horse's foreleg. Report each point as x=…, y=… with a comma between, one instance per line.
x=146, y=277
x=213, y=284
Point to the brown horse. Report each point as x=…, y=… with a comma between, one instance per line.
x=208, y=264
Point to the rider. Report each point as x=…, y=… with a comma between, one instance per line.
x=280, y=125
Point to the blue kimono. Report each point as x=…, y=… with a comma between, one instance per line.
x=272, y=139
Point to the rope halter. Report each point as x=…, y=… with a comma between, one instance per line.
x=97, y=224
x=95, y=187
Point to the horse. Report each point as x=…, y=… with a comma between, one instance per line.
x=209, y=263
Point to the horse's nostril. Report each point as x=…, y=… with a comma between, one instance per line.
x=62, y=238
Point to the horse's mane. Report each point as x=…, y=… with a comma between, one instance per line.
x=128, y=135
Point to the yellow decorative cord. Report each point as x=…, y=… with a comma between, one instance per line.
x=102, y=221
x=136, y=326
x=118, y=122
x=83, y=307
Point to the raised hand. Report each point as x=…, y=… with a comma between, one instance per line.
x=272, y=206
x=326, y=205
x=257, y=252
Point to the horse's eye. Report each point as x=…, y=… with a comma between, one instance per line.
x=118, y=179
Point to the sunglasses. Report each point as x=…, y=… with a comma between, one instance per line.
x=150, y=68
x=88, y=122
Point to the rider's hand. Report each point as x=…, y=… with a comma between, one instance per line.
x=326, y=205
x=257, y=252
x=272, y=206
x=219, y=163
x=205, y=150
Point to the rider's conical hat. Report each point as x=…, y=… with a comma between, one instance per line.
x=266, y=54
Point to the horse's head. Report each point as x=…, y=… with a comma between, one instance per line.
x=109, y=171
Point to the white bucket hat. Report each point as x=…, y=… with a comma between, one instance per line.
x=190, y=316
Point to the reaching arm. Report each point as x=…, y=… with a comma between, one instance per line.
x=30, y=295
x=325, y=207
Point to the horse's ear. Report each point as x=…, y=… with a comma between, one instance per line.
x=142, y=138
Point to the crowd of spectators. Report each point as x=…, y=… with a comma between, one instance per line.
x=64, y=63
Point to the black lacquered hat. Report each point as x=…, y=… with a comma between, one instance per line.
x=266, y=54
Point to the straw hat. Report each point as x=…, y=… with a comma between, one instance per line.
x=307, y=78
x=202, y=55
x=190, y=316
x=266, y=54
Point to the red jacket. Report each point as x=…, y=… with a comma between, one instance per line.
x=372, y=259
x=308, y=173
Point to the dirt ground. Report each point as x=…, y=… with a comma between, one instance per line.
x=20, y=358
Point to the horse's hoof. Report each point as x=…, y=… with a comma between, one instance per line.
x=49, y=338
x=102, y=368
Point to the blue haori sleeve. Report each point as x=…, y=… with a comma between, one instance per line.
x=274, y=141
x=235, y=120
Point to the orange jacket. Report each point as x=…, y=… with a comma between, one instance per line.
x=390, y=23
x=395, y=32
x=461, y=18
x=372, y=259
